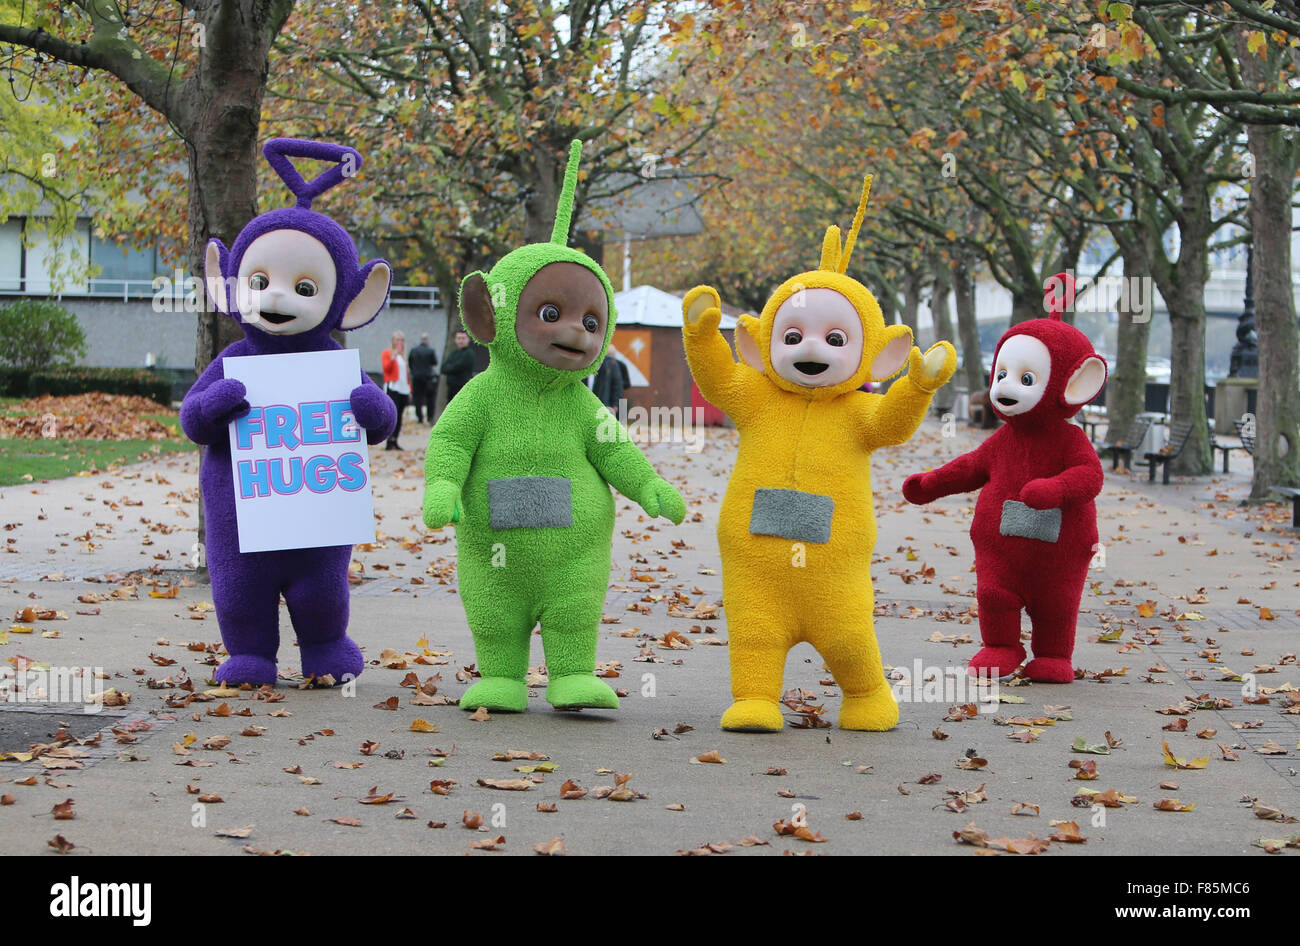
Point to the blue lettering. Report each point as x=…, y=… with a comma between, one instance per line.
x=246, y=426
x=313, y=422
x=253, y=479
x=295, y=474
x=319, y=474
x=281, y=420
x=351, y=475
x=343, y=425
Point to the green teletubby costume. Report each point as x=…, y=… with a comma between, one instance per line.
x=522, y=461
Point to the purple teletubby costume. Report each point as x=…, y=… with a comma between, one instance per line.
x=285, y=256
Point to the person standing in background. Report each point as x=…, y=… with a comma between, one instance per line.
x=397, y=382
x=424, y=378
x=458, y=366
x=607, y=383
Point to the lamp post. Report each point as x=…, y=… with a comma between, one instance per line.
x=1244, y=362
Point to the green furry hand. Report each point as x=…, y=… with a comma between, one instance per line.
x=659, y=498
x=441, y=503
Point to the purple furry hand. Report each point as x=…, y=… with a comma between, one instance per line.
x=224, y=401
x=374, y=411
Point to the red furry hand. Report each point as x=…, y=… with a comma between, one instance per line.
x=1041, y=494
x=919, y=488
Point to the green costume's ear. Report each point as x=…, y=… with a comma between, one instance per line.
x=564, y=207
x=476, y=309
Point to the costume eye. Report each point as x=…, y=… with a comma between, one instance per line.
x=549, y=313
x=305, y=287
x=1002, y=374
x=258, y=281
x=793, y=337
x=1027, y=379
x=590, y=322
x=836, y=339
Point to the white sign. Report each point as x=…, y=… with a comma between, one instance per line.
x=300, y=463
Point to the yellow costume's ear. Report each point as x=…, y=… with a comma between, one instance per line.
x=747, y=346
x=893, y=355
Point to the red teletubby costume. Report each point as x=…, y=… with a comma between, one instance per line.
x=1035, y=525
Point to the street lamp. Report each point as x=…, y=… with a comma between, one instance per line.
x=1244, y=362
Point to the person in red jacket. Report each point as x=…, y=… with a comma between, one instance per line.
x=397, y=382
x=1035, y=525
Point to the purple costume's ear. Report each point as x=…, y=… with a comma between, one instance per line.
x=215, y=262
x=371, y=288
x=278, y=152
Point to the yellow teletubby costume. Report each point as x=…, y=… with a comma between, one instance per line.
x=797, y=526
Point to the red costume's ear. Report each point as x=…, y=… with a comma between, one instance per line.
x=1086, y=382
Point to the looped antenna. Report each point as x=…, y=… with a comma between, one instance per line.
x=857, y=224
x=279, y=151
x=1058, y=294
x=564, y=207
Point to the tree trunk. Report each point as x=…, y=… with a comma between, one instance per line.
x=449, y=290
x=972, y=359
x=1186, y=301
x=1126, y=389
x=941, y=318
x=543, y=194
x=1277, y=437
x=887, y=300
x=1025, y=307
x=911, y=299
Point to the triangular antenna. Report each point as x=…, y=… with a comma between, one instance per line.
x=1058, y=294
x=857, y=223
x=279, y=151
x=564, y=208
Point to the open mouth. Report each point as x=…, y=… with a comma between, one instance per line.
x=810, y=367
x=1008, y=401
x=276, y=318
x=577, y=352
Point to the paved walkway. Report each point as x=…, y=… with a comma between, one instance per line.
x=1187, y=575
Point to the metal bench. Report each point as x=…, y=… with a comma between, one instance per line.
x=1124, y=447
x=1292, y=494
x=1245, y=433
x=1178, y=435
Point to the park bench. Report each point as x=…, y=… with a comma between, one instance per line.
x=1178, y=435
x=1245, y=433
x=1292, y=494
x=1125, y=446
x=1090, y=420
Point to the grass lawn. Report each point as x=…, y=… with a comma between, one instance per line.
x=24, y=461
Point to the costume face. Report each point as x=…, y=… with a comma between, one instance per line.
x=562, y=315
x=286, y=282
x=1020, y=377
x=816, y=339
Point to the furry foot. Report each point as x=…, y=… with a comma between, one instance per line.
x=340, y=659
x=580, y=690
x=753, y=716
x=245, y=668
x=1050, y=670
x=996, y=661
x=875, y=712
x=496, y=693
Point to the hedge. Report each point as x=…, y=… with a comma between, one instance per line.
x=79, y=380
